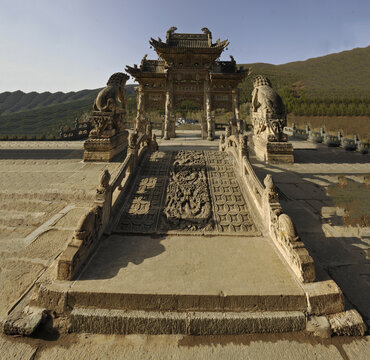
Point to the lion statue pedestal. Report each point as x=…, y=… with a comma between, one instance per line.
x=108, y=138
x=268, y=142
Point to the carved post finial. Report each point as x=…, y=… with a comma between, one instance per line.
x=105, y=178
x=270, y=191
x=132, y=141
x=243, y=143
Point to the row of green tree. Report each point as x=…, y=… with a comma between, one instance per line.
x=300, y=104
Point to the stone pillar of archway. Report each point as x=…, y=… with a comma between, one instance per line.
x=140, y=123
x=168, y=130
x=236, y=114
x=207, y=108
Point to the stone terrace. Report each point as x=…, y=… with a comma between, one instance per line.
x=46, y=188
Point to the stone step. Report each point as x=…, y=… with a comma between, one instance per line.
x=103, y=321
x=187, y=302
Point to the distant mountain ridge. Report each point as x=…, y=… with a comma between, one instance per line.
x=16, y=101
x=332, y=85
x=44, y=113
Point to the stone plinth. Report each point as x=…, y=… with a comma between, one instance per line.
x=105, y=148
x=272, y=152
x=171, y=130
x=107, y=139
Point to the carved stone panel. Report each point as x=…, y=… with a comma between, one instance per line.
x=186, y=191
x=188, y=204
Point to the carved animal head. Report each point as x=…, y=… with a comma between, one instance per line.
x=261, y=80
x=118, y=79
x=287, y=228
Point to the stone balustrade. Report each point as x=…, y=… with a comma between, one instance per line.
x=100, y=217
x=268, y=209
x=330, y=140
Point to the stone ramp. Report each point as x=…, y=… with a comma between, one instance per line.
x=186, y=191
x=158, y=284
x=222, y=268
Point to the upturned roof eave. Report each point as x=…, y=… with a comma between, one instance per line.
x=214, y=48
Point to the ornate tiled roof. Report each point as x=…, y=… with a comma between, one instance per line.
x=193, y=41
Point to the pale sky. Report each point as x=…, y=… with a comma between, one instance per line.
x=70, y=45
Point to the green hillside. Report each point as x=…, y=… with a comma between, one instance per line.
x=333, y=85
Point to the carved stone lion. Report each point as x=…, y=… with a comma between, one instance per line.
x=265, y=100
x=89, y=224
x=106, y=101
x=267, y=109
x=287, y=228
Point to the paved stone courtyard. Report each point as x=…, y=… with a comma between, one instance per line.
x=46, y=188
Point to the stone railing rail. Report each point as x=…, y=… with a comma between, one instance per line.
x=98, y=220
x=269, y=211
x=321, y=136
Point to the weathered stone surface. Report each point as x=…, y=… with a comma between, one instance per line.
x=183, y=347
x=272, y=152
x=16, y=350
x=319, y=326
x=358, y=348
x=245, y=323
x=193, y=323
x=183, y=273
x=348, y=323
x=25, y=321
x=324, y=297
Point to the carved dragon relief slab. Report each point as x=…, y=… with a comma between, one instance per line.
x=188, y=204
x=186, y=191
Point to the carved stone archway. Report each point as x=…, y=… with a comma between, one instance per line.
x=187, y=69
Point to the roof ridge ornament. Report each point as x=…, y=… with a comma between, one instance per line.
x=207, y=31
x=170, y=32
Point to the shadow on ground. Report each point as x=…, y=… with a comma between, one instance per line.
x=339, y=250
x=127, y=249
x=40, y=154
x=332, y=156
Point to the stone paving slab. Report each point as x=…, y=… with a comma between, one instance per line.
x=188, y=347
x=16, y=350
x=162, y=347
x=359, y=349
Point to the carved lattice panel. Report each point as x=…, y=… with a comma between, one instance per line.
x=141, y=211
x=230, y=211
